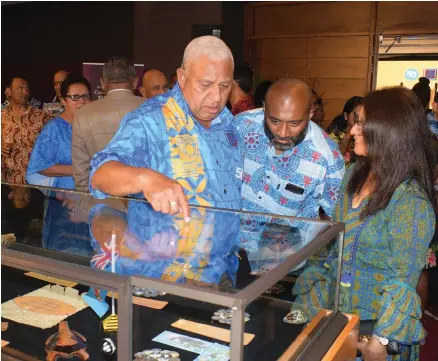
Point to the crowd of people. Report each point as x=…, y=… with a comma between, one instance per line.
x=209, y=138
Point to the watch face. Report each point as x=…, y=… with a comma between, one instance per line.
x=383, y=341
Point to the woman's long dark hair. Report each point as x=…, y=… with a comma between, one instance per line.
x=339, y=123
x=399, y=147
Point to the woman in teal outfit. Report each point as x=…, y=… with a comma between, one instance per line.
x=387, y=203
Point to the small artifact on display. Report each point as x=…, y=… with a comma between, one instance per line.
x=66, y=344
x=5, y=326
x=216, y=352
x=111, y=323
x=183, y=342
x=8, y=240
x=147, y=292
x=156, y=354
x=108, y=347
x=214, y=332
x=225, y=316
x=45, y=307
x=296, y=317
x=275, y=289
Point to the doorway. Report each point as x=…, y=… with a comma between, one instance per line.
x=403, y=59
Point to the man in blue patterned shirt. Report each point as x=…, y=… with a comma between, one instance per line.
x=291, y=166
x=181, y=146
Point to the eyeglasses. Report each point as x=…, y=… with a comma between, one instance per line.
x=358, y=123
x=77, y=97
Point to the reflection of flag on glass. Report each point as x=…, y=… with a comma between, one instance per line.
x=102, y=259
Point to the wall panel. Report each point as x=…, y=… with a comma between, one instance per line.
x=338, y=88
x=332, y=108
x=312, y=17
x=164, y=28
x=339, y=47
x=274, y=69
x=407, y=17
x=341, y=68
x=282, y=48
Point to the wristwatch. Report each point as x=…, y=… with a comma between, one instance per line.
x=383, y=340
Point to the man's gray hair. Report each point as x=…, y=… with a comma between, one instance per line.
x=118, y=69
x=210, y=46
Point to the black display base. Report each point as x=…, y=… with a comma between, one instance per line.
x=272, y=335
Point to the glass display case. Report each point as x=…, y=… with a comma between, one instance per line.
x=226, y=285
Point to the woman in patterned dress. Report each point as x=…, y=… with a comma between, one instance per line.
x=387, y=203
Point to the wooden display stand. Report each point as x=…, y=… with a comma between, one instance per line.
x=343, y=349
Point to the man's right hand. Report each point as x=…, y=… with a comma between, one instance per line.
x=166, y=195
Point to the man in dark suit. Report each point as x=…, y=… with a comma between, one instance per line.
x=95, y=124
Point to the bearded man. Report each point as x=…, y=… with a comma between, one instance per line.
x=291, y=166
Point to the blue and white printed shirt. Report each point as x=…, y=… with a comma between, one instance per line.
x=297, y=182
x=433, y=124
x=162, y=135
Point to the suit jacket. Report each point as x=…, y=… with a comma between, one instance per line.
x=93, y=128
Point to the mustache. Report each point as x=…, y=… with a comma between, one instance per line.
x=285, y=139
x=292, y=141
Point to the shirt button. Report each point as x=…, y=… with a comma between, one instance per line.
x=217, y=162
x=278, y=186
x=225, y=191
x=268, y=177
x=260, y=197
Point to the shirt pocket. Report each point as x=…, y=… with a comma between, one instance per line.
x=292, y=190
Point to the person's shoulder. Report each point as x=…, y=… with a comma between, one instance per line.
x=153, y=105
x=92, y=107
x=250, y=119
x=106, y=105
x=322, y=142
x=253, y=115
x=410, y=196
x=55, y=123
x=409, y=188
x=136, y=100
x=36, y=112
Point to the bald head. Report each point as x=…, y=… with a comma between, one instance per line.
x=290, y=92
x=287, y=112
x=153, y=83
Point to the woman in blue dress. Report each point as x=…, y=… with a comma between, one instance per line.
x=50, y=165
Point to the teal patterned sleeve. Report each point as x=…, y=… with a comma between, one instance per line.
x=411, y=225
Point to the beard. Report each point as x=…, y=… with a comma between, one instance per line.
x=290, y=142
